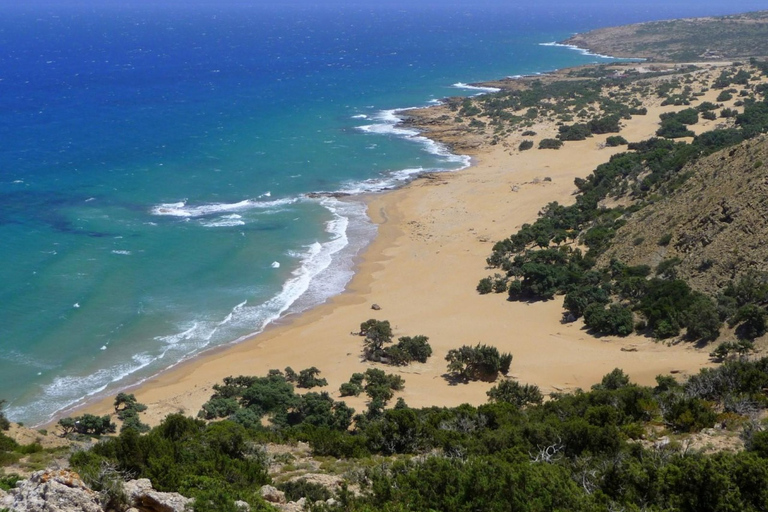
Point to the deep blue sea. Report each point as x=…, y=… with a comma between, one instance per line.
x=154, y=162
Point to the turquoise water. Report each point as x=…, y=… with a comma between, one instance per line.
x=155, y=163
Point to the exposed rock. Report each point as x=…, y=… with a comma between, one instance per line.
x=715, y=223
x=271, y=494
x=375, y=307
x=52, y=491
x=142, y=496
x=242, y=505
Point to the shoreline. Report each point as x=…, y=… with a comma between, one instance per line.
x=422, y=268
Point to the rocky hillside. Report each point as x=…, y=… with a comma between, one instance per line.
x=716, y=223
x=691, y=39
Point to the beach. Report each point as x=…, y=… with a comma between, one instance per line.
x=421, y=270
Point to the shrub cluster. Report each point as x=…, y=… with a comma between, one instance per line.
x=481, y=362
x=378, y=336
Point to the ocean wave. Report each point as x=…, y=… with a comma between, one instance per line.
x=482, y=90
x=575, y=48
x=182, y=209
x=388, y=123
x=224, y=221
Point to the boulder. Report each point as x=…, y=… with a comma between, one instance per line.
x=143, y=497
x=52, y=491
x=272, y=494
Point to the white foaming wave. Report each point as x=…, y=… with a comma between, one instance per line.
x=225, y=221
x=360, y=116
x=121, y=252
x=388, y=125
x=482, y=90
x=67, y=391
x=575, y=48
x=181, y=209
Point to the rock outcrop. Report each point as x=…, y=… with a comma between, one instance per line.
x=52, y=491
x=64, y=491
x=145, y=499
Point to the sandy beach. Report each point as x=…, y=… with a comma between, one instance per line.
x=422, y=270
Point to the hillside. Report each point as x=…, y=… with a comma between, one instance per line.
x=723, y=37
x=715, y=223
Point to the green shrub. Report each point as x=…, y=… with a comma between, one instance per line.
x=616, y=319
x=550, y=144
x=296, y=489
x=308, y=379
x=481, y=362
x=724, y=96
x=4, y=423
x=615, y=140
x=514, y=393
x=525, y=145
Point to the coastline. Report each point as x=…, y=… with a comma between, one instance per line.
x=421, y=269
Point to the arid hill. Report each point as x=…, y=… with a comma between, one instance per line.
x=716, y=223
x=690, y=39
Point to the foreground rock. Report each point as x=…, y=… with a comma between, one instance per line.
x=64, y=491
x=52, y=491
x=145, y=499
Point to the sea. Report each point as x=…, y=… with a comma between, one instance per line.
x=155, y=161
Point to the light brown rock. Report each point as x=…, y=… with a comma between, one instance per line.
x=52, y=491
x=272, y=494
x=142, y=496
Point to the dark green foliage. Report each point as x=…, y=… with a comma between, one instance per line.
x=727, y=348
x=8, y=482
x=617, y=379
x=481, y=362
x=750, y=320
x=665, y=239
x=485, y=286
x=525, y=145
x=414, y=348
x=407, y=349
x=218, y=408
x=296, y=489
x=615, y=140
x=710, y=116
x=131, y=420
x=4, y=423
x=689, y=414
x=350, y=389
x=186, y=456
x=550, y=144
x=308, y=379
x=87, y=424
x=674, y=129
x=701, y=319
x=124, y=401
x=577, y=300
x=616, y=319
x=514, y=393
x=528, y=133
x=128, y=409
x=724, y=96
x=377, y=334
x=573, y=132
x=608, y=124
